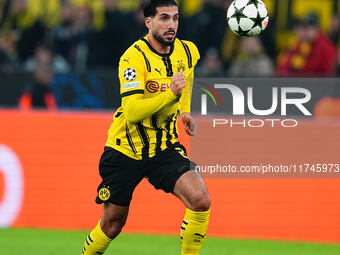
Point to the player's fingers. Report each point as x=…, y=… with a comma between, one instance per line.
x=182, y=82
x=187, y=130
x=181, y=75
x=190, y=132
x=177, y=80
x=193, y=130
x=174, y=78
x=193, y=127
x=178, y=76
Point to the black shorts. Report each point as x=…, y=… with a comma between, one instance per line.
x=122, y=174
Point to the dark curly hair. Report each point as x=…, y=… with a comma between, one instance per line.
x=150, y=7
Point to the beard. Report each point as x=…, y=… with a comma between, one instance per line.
x=161, y=40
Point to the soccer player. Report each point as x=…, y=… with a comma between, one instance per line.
x=156, y=76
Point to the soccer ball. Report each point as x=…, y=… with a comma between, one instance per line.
x=247, y=17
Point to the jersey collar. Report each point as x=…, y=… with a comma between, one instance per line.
x=156, y=52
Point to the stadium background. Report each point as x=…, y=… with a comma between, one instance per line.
x=49, y=152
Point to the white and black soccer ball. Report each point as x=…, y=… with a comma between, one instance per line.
x=247, y=17
x=130, y=74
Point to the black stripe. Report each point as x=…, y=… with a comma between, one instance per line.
x=128, y=136
x=129, y=93
x=186, y=223
x=145, y=140
x=197, y=234
x=90, y=239
x=159, y=134
x=167, y=127
x=87, y=242
x=118, y=114
x=168, y=66
x=183, y=228
x=175, y=128
x=98, y=252
x=187, y=51
x=171, y=73
x=148, y=66
x=181, y=237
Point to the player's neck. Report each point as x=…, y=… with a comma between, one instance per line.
x=160, y=48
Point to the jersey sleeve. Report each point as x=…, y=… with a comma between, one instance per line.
x=194, y=52
x=132, y=76
x=185, y=100
x=131, y=73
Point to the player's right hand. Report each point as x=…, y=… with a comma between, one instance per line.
x=177, y=83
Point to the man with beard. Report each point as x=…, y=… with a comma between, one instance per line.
x=156, y=75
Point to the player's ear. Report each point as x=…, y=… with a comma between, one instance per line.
x=148, y=22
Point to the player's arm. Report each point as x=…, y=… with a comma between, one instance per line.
x=185, y=101
x=132, y=79
x=136, y=108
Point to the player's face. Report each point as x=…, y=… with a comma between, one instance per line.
x=164, y=25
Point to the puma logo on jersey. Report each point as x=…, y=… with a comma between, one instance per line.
x=159, y=71
x=126, y=60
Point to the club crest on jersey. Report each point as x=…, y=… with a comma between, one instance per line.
x=104, y=194
x=181, y=66
x=130, y=74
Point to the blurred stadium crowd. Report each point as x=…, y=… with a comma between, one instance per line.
x=59, y=41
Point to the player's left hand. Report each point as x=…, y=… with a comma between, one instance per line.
x=189, y=124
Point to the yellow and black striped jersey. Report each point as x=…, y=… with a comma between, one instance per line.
x=146, y=122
